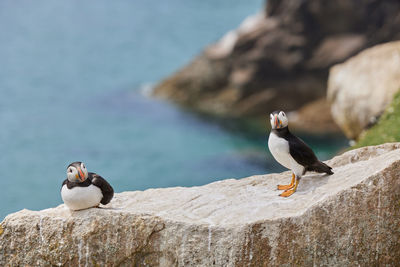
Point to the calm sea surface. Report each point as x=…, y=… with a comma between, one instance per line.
x=71, y=74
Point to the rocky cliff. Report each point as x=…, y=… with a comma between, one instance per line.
x=279, y=59
x=351, y=218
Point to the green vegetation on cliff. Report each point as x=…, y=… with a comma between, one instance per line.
x=386, y=130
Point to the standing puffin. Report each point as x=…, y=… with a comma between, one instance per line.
x=83, y=189
x=291, y=152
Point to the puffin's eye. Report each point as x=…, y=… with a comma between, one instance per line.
x=83, y=166
x=69, y=170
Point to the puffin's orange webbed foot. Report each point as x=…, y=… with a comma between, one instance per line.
x=285, y=187
x=288, y=186
x=287, y=193
x=290, y=192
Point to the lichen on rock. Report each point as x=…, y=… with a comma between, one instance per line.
x=386, y=129
x=350, y=218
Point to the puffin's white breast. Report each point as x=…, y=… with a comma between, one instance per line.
x=279, y=148
x=79, y=198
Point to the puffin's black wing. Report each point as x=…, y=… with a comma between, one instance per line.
x=304, y=155
x=106, y=189
x=301, y=152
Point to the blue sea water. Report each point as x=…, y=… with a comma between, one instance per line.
x=71, y=74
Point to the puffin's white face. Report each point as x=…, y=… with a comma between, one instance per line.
x=278, y=120
x=77, y=172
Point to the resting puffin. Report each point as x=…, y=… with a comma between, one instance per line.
x=291, y=152
x=83, y=189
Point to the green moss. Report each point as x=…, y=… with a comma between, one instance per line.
x=386, y=130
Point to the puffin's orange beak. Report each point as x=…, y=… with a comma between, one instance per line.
x=80, y=175
x=276, y=121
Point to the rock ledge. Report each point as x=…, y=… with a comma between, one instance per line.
x=347, y=219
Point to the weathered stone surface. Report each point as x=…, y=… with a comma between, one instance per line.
x=280, y=59
x=361, y=88
x=351, y=218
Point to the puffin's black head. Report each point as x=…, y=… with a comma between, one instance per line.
x=77, y=172
x=278, y=120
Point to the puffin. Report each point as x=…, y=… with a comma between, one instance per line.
x=83, y=189
x=292, y=153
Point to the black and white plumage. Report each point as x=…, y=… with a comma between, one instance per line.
x=291, y=152
x=83, y=189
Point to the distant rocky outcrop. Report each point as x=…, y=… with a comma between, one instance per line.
x=351, y=218
x=279, y=59
x=314, y=117
x=361, y=88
